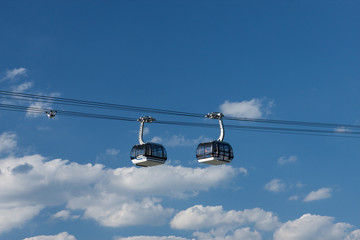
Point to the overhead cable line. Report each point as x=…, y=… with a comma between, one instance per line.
x=104, y=105
x=93, y=104
x=299, y=131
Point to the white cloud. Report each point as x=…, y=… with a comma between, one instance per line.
x=150, y=238
x=223, y=234
x=306, y=227
x=113, y=197
x=322, y=193
x=64, y=215
x=7, y=142
x=171, y=181
x=156, y=140
x=16, y=72
x=205, y=217
x=13, y=217
x=112, y=210
x=294, y=198
x=354, y=235
x=285, y=160
x=312, y=227
x=60, y=236
x=255, y=108
x=275, y=185
x=22, y=87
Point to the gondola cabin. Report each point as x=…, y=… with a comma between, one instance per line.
x=214, y=153
x=148, y=155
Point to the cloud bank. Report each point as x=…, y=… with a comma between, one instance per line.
x=204, y=217
x=314, y=227
x=60, y=236
x=134, y=196
x=112, y=197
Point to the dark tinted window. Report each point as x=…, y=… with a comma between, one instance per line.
x=221, y=150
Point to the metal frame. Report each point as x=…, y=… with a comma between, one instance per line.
x=218, y=115
x=142, y=120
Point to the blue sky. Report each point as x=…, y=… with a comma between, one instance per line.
x=72, y=178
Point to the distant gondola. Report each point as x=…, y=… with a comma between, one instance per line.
x=147, y=154
x=215, y=152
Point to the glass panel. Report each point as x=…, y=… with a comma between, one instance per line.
x=157, y=151
x=208, y=151
x=148, y=150
x=200, y=151
x=140, y=151
x=221, y=151
x=226, y=152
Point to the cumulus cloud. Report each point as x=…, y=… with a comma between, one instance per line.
x=171, y=181
x=306, y=227
x=7, y=142
x=275, y=185
x=205, y=217
x=255, y=108
x=313, y=227
x=285, y=160
x=150, y=238
x=322, y=193
x=60, y=236
x=112, y=197
x=14, y=73
x=64, y=215
x=112, y=210
x=15, y=216
x=223, y=234
x=156, y=140
x=354, y=235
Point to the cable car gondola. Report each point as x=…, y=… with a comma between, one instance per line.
x=51, y=114
x=215, y=152
x=147, y=154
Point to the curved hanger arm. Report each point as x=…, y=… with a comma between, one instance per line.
x=222, y=130
x=143, y=120
x=217, y=115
